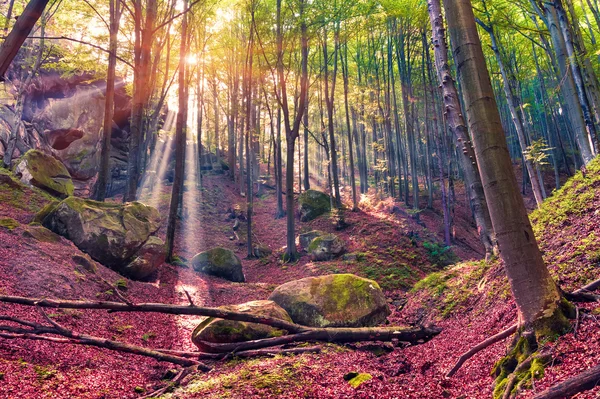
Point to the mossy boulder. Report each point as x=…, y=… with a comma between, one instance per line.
x=312, y=204
x=306, y=238
x=110, y=233
x=214, y=330
x=326, y=247
x=219, y=262
x=45, y=211
x=147, y=260
x=335, y=300
x=46, y=172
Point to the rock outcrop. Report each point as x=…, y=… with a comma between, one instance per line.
x=213, y=330
x=335, y=300
x=46, y=172
x=112, y=234
x=219, y=262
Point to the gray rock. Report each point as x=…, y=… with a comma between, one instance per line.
x=219, y=262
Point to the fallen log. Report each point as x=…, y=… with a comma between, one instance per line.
x=587, y=380
x=244, y=354
x=337, y=335
x=298, y=333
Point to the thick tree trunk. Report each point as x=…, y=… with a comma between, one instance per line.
x=535, y=293
x=516, y=115
x=455, y=118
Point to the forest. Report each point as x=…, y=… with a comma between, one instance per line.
x=299, y=199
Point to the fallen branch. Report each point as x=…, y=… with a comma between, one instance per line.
x=156, y=308
x=37, y=332
x=587, y=380
x=481, y=346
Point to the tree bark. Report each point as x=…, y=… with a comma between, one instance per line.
x=180, y=140
x=535, y=293
x=109, y=105
x=17, y=36
x=455, y=117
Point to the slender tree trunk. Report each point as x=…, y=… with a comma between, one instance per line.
x=109, y=105
x=351, y=130
x=577, y=77
x=144, y=36
x=567, y=84
x=536, y=294
x=180, y=140
x=329, y=98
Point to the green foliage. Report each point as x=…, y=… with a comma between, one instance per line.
x=439, y=254
x=538, y=152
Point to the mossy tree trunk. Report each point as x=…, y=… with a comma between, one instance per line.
x=536, y=294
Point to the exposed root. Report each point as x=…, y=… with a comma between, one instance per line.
x=481, y=346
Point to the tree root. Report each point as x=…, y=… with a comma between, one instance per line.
x=481, y=346
x=582, y=294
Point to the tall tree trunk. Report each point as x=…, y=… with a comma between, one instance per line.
x=306, y=166
x=144, y=37
x=180, y=140
x=458, y=127
x=109, y=105
x=516, y=115
x=351, y=130
x=577, y=76
x=329, y=98
x=536, y=294
x=567, y=84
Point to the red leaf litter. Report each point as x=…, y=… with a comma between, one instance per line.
x=31, y=369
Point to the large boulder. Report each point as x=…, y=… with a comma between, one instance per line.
x=147, y=260
x=219, y=262
x=213, y=330
x=46, y=172
x=306, y=238
x=312, y=204
x=326, y=247
x=335, y=300
x=110, y=233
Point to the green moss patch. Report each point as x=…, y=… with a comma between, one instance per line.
x=9, y=223
x=359, y=379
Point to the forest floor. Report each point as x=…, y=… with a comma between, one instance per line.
x=470, y=301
